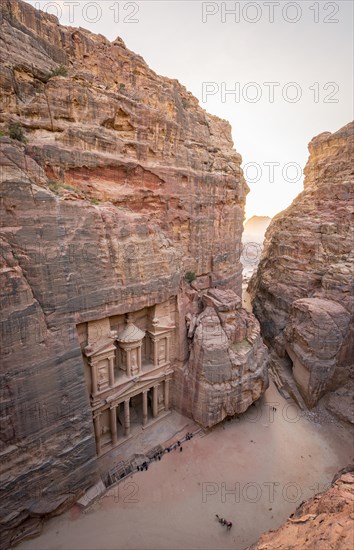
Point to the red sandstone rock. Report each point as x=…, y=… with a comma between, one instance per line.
x=227, y=368
x=324, y=522
x=302, y=293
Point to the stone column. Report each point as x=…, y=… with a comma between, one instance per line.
x=167, y=395
x=111, y=371
x=139, y=358
x=155, y=409
x=94, y=378
x=129, y=368
x=168, y=348
x=156, y=361
x=97, y=425
x=126, y=418
x=113, y=421
x=145, y=408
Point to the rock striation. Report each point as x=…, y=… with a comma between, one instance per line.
x=324, y=522
x=119, y=195
x=302, y=292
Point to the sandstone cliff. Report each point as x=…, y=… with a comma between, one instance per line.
x=117, y=185
x=324, y=522
x=227, y=368
x=303, y=290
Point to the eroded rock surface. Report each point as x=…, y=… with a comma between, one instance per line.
x=227, y=368
x=303, y=291
x=123, y=186
x=324, y=522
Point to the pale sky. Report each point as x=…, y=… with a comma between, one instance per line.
x=301, y=53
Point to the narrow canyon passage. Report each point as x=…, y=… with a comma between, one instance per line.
x=139, y=299
x=253, y=471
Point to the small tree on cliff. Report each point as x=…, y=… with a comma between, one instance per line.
x=16, y=132
x=190, y=276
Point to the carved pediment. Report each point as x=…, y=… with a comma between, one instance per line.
x=101, y=348
x=100, y=338
x=157, y=327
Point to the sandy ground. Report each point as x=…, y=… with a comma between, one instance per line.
x=253, y=471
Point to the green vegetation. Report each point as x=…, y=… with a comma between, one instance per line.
x=16, y=132
x=121, y=87
x=71, y=188
x=190, y=276
x=241, y=347
x=55, y=186
x=58, y=71
x=3, y=134
x=185, y=103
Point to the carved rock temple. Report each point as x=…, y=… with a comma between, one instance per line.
x=128, y=371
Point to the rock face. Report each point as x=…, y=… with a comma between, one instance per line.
x=226, y=371
x=324, y=522
x=302, y=292
x=123, y=188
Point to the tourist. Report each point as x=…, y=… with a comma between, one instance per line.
x=221, y=520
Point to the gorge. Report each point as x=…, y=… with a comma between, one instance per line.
x=303, y=290
x=122, y=207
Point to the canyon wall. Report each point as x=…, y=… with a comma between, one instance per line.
x=227, y=367
x=118, y=193
x=303, y=290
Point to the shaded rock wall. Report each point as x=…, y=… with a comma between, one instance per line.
x=303, y=291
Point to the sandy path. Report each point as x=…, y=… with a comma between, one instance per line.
x=271, y=461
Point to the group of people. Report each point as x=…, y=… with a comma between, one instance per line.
x=224, y=521
x=159, y=454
